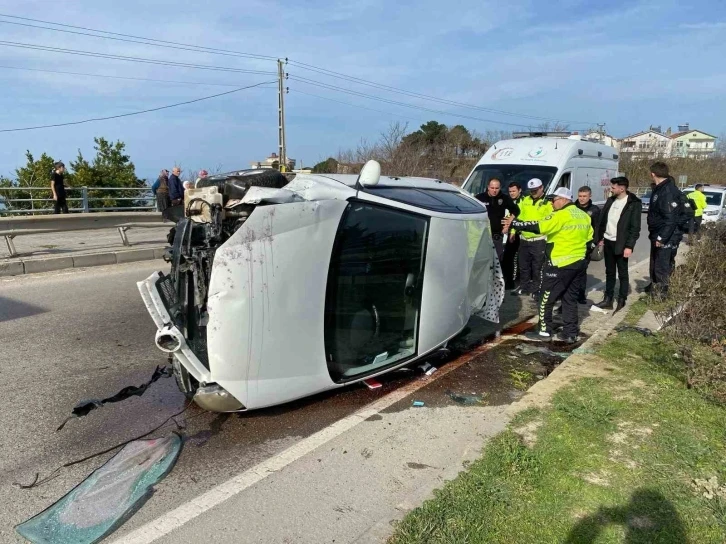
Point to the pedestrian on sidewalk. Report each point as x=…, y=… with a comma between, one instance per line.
x=698, y=203
x=58, y=188
x=618, y=232
x=532, y=208
x=668, y=212
x=497, y=204
x=160, y=188
x=510, y=263
x=569, y=234
x=176, y=188
x=584, y=203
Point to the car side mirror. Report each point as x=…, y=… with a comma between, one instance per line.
x=370, y=174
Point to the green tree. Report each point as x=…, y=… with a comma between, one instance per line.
x=328, y=166
x=35, y=173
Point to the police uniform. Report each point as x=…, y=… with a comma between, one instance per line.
x=568, y=232
x=497, y=206
x=510, y=261
x=698, y=203
x=668, y=217
x=532, y=246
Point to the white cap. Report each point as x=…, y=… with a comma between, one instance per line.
x=534, y=183
x=564, y=192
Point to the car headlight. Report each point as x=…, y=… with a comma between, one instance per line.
x=710, y=212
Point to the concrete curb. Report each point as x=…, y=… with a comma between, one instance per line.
x=33, y=266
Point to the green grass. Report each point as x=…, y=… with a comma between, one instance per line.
x=614, y=461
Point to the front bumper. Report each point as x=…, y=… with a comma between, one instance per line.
x=209, y=395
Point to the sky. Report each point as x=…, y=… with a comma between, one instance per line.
x=627, y=64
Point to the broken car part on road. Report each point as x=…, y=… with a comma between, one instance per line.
x=279, y=290
x=109, y=496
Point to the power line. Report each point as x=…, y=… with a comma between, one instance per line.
x=136, y=112
x=302, y=65
x=105, y=76
x=349, y=104
x=353, y=79
x=125, y=38
x=404, y=104
x=51, y=49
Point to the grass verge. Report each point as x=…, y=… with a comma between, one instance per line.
x=633, y=457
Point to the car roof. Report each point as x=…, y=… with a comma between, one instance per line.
x=394, y=181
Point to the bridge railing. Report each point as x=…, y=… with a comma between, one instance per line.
x=80, y=200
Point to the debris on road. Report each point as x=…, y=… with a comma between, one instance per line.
x=527, y=349
x=372, y=383
x=103, y=501
x=466, y=400
x=641, y=330
x=85, y=407
x=594, y=308
x=418, y=403
x=427, y=369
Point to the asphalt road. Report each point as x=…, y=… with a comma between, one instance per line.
x=84, y=334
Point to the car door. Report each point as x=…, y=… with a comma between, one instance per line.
x=373, y=294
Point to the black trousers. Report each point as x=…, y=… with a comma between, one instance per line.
x=561, y=283
x=615, y=263
x=582, y=283
x=661, y=266
x=531, y=259
x=60, y=205
x=498, y=246
x=509, y=262
x=696, y=224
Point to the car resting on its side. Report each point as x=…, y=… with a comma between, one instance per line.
x=282, y=289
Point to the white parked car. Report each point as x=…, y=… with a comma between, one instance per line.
x=715, y=202
x=282, y=290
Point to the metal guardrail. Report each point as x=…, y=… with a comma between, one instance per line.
x=88, y=200
x=10, y=227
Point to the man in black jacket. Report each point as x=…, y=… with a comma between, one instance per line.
x=584, y=202
x=618, y=231
x=497, y=204
x=666, y=214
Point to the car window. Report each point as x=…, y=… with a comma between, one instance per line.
x=429, y=199
x=374, y=288
x=507, y=173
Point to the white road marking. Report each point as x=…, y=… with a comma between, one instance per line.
x=165, y=524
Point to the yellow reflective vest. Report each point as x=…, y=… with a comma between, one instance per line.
x=699, y=202
x=568, y=232
x=533, y=210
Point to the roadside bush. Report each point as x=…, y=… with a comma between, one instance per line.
x=695, y=312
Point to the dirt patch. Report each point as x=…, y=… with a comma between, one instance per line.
x=528, y=432
x=601, y=478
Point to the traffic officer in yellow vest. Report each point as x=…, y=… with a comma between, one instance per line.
x=699, y=204
x=532, y=207
x=569, y=237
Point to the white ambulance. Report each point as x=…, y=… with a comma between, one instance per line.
x=570, y=162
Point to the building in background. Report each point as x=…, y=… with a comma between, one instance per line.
x=273, y=161
x=649, y=144
x=692, y=143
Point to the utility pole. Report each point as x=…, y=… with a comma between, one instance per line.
x=601, y=126
x=281, y=114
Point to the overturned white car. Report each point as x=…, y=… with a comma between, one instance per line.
x=282, y=289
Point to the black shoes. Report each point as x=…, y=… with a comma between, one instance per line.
x=606, y=304
x=620, y=305
x=538, y=336
x=582, y=300
x=564, y=339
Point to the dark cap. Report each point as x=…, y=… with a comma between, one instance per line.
x=58, y=165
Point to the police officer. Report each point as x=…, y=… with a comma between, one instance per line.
x=497, y=204
x=533, y=207
x=584, y=202
x=698, y=203
x=511, y=249
x=569, y=237
x=668, y=216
